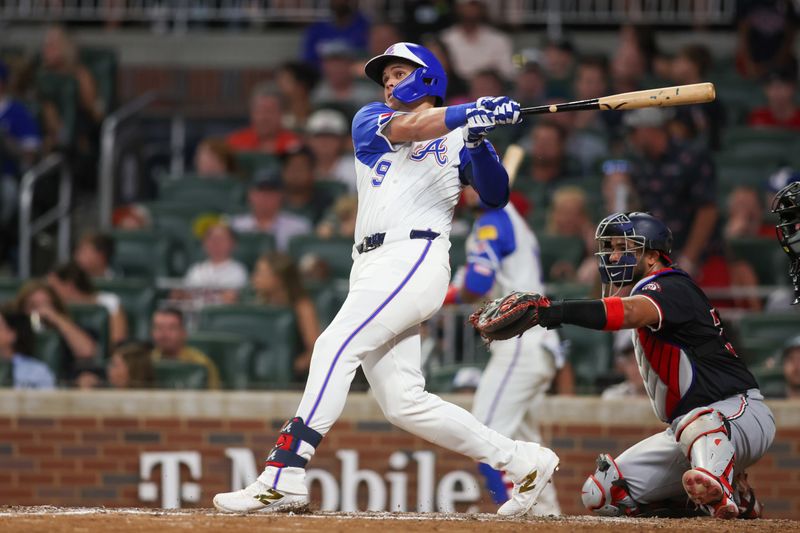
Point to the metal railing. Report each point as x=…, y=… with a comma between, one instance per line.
x=29, y=228
x=603, y=12
x=108, y=152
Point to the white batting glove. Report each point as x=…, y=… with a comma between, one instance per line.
x=504, y=109
x=479, y=123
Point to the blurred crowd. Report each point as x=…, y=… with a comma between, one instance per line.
x=290, y=172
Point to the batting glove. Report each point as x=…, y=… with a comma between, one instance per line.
x=479, y=123
x=504, y=109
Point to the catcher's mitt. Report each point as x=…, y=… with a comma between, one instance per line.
x=509, y=316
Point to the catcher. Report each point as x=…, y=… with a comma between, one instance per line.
x=787, y=206
x=718, y=422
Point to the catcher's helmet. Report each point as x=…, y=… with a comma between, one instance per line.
x=641, y=231
x=429, y=79
x=787, y=206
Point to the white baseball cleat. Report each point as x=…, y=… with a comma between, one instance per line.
x=260, y=498
x=525, y=493
x=705, y=489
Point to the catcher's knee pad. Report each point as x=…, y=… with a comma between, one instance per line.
x=606, y=492
x=703, y=435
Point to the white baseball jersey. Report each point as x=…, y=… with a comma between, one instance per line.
x=404, y=186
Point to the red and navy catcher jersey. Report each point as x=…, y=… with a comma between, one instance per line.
x=686, y=361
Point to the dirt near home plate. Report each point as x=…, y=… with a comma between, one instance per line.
x=58, y=519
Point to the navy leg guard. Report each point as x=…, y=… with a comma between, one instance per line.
x=284, y=454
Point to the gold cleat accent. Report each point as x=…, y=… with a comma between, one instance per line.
x=529, y=482
x=271, y=496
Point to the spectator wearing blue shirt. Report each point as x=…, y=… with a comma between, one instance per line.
x=16, y=369
x=348, y=25
x=19, y=133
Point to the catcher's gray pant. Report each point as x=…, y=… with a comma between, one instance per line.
x=654, y=466
x=511, y=390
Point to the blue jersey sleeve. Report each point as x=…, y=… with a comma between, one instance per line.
x=481, y=168
x=493, y=241
x=368, y=139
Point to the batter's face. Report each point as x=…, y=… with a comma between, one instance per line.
x=393, y=74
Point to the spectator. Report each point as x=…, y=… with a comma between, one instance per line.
x=489, y=82
x=701, y=122
x=219, y=272
x=677, y=184
x=746, y=215
x=625, y=364
x=588, y=139
x=267, y=215
x=46, y=310
x=781, y=110
x=20, y=140
x=617, y=187
x=17, y=368
x=295, y=82
x=265, y=133
x=569, y=217
x=766, y=31
x=529, y=85
x=474, y=45
x=131, y=217
x=339, y=85
x=347, y=25
x=422, y=18
x=382, y=35
x=790, y=358
x=300, y=194
x=329, y=140
x=169, y=342
x=457, y=88
x=74, y=286
x=628, y=68
x=131, y=367
x=214, y=159
x=94, y=255
x=341, y=220
x=549, y=163
x=276, y=281
x=558, y=59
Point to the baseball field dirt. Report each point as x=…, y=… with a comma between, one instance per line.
x=56, y=520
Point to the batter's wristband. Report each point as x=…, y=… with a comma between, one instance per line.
x=455, y=116
x=615, y=313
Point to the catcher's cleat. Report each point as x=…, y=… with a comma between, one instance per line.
x=260, y=498
x=528, y=489
x=708, y=491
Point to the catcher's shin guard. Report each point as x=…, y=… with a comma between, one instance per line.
x=703, y=435
x=605, y=492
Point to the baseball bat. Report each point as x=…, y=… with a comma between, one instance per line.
x=512, y=160
x=697, y=93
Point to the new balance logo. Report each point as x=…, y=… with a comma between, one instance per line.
x=529, y=482
x=271, y=496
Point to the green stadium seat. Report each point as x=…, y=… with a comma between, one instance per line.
x=328, y=299
x=768, y=260
x=555, y=249
x=102, y=63
x=590, y=353
x=9, y=288
x=568, y=289
x=221, y=195
x=48, y=348
x=735, y=138
x=272, y=329
x=95, y=319
x=333, y=189
x=147, y=254
x=180, y=375
x=176, y=219
x=231, y=353
x=62, y=92
x=138, y=299
x=762, y=335
x=458, y=252
x=336, y=252
x=770, y=380
x=252, y=163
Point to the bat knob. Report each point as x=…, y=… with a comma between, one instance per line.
x=553, y=108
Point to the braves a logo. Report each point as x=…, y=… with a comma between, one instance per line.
x=437, y=147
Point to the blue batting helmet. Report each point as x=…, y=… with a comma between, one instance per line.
x=641, y=231
x=429, y=79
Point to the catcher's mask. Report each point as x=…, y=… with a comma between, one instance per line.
x=622, y=239
x=787, y=206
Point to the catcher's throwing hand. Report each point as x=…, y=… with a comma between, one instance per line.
x=509, y=316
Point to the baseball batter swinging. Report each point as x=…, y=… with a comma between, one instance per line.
x=718, y=422
x=412, y=159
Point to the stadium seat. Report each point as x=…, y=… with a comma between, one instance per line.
x=272, y=329
x=735, y=138
x=767, y=259
x=334, y=189
x=231, y=353
x=9, y=288
x=556, y=249
x=175, y=219
x=458, y=252
x=102, y=63
x=568, y=289
x=147, y=254
x=762, y=334
x=62, y=92
x=770, y=380
x=222, y=195
x=252, y=163
x=180, y=375
x=590, y=353
x=328, y=299
x=336, y=252
x=49, y=349
x=138, y=299
x=94, y=319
